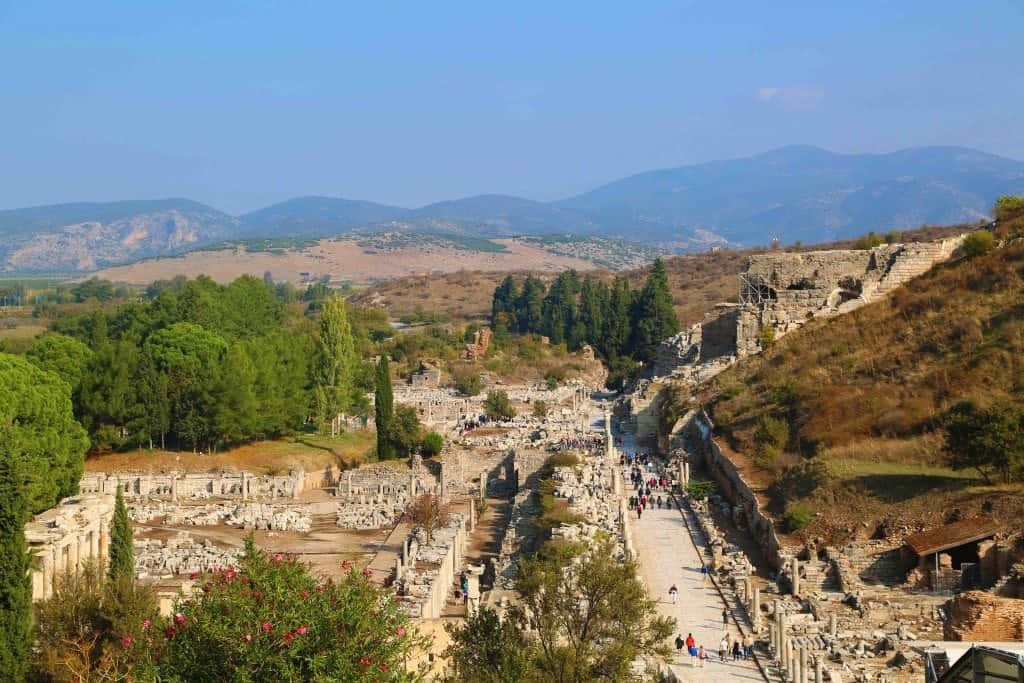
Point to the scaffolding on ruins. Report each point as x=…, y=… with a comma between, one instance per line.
x=754, y=290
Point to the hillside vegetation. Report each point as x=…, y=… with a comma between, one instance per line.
x=847, y=415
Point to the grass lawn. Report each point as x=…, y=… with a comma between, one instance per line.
x=898, y=481
x=309, y=452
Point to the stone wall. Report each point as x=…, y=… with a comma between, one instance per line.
x=982, y=617
x=175, y=485
x=699, y=429
x=425, y=571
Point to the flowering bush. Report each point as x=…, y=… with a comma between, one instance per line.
x=273, y=621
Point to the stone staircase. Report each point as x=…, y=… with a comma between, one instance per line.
x=818, y=577
x=910, y=261
x=879, y=569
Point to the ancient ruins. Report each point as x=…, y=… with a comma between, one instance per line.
x=866, y=611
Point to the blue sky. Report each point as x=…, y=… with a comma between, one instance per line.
x=243, y=104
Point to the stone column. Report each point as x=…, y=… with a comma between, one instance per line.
x=795, y=565
x=686, y=472
x=777, y=632
x=819, y=674
x=755, y=606
x=833, y=626
x=443, y=485
x=472, y=515
x=483, y=484
x=682, y=473
x=803, y=664
x=47, y=562
x=174, y=486
x=412, y=485
x=399, y=570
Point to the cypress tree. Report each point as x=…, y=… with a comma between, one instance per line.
x=654, y=319
x=384, y=410
x=15, y=589
x=336, y=362
x=122, y=546
x=617, y=321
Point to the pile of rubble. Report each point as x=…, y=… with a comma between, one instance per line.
x=180, y=555
x=260, y=516
x=373, y=514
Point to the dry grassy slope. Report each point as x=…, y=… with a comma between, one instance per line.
x=866, y=390
x=698, y=281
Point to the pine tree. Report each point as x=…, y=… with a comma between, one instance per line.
x=15, y=589
x=122, y=546
x=384, y=410
x=654, y=319
x=504, y=301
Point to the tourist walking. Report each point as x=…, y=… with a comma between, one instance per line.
x=679, y=643
x=735, y=650
x=702, y=655
x=748, y=647
x=723, y=648
x=725, y=617
x=691, y=647
x=672, y=592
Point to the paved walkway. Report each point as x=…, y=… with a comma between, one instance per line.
x=667, y=556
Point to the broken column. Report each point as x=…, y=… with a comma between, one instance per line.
x=795, y=569
x=755, y=606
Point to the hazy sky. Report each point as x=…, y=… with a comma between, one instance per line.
x=243, y=104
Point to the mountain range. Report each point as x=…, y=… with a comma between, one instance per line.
x=793, y=193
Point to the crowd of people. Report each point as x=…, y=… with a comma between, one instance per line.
x=651, y=490
x=738, y=651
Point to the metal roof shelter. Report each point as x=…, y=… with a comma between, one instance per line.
x=982, y=664
x=953, y=535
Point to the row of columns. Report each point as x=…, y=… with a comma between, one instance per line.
x=796, y=661
x=68, y=557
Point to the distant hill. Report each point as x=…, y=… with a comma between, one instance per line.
x=85, y=236
x=793, y=193
x=500, y=215
x=315, y=217
x=805, y=193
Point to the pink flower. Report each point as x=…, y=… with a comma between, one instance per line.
x=126, y=642
x=169, y=632
x=248, y=638
x=302, y=630
x=278, y=557
x=289, y=637
x=146, y=623
x=346, y=565
x=365, y=661
x=305, y=593
x=400, y=632
x=383, y=666
x=193, y=576
x=367, y=573
x=179, y=618
x=230, y=574
x=267, y=628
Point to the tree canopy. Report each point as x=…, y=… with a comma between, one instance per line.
x=615, y=320
x=37, y=426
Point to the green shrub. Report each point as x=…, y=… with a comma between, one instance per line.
x=468, y=383
x=433, y=444
x=770, y=439
x=540, y=409
x=497, y=406
x=274, y=620
x=766, y=338
x=700, y=490
x=978, y=243
x=798, y=516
